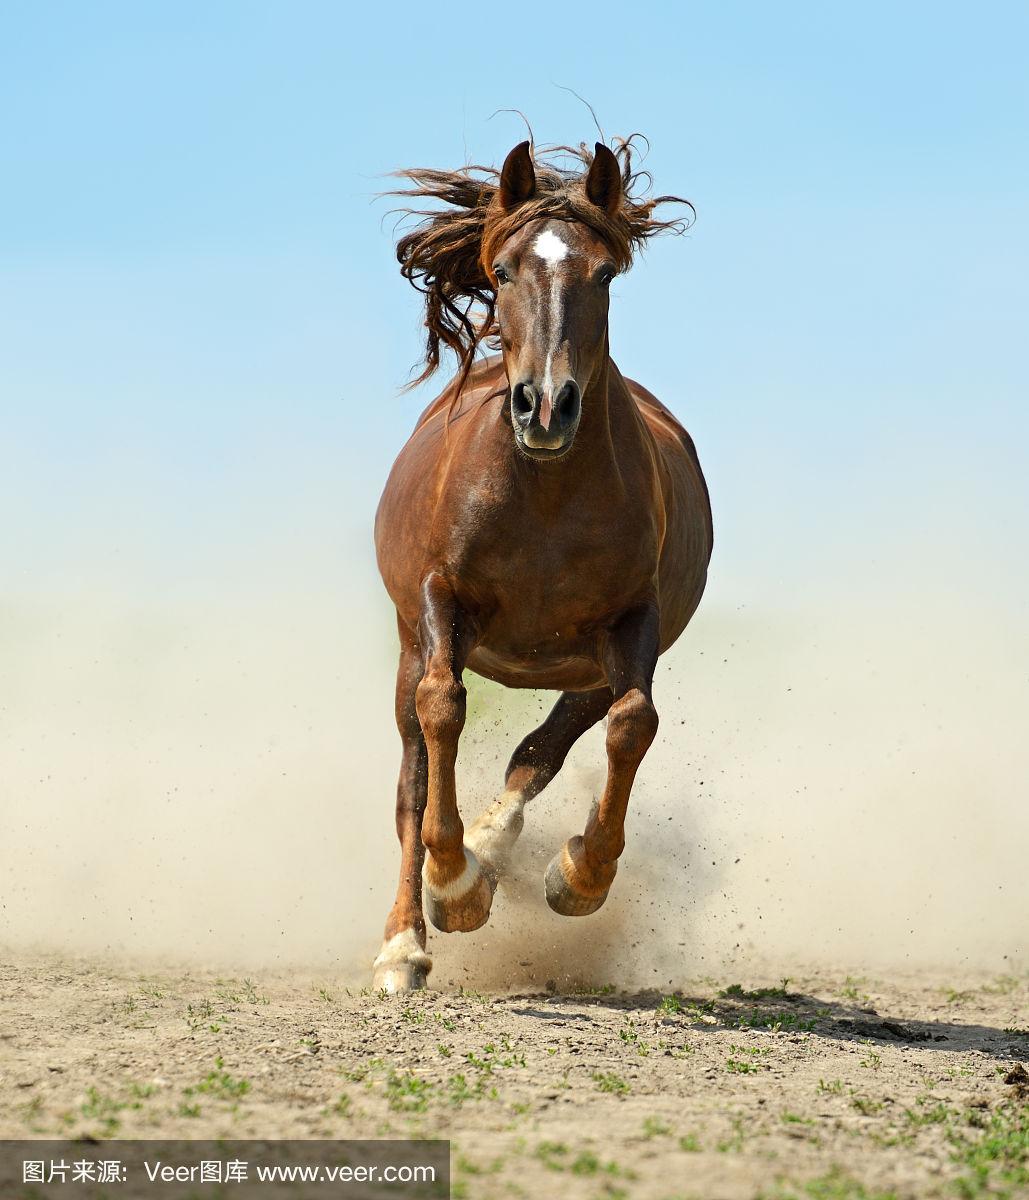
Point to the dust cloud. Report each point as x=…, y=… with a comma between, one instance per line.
x=212, y=783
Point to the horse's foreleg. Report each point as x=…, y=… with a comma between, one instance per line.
x=533, y=765
x=580, y=876
x=457, y=892
x=402, y=963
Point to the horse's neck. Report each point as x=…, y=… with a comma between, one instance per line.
x=609, y=414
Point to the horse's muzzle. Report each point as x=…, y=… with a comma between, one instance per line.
x=545, y=422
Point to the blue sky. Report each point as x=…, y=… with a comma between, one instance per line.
x=204, y=332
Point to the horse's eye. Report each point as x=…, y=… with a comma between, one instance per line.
x=501, y=274
x=605, y=276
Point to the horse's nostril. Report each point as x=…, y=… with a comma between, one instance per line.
x=568, y=403
x=522, y=401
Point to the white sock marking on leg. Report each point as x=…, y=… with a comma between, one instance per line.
x=402, y=947
x=460, y=886
x=492, y=837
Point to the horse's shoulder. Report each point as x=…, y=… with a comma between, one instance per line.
x=674, y=444
x=659, y=417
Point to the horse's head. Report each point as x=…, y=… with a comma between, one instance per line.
x=526, y=254
x=552, y=278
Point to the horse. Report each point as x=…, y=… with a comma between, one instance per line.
x=547, y=524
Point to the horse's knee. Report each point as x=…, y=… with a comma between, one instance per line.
x=631, y=727
x=440, y=704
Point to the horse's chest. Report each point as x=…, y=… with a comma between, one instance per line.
x=542, y=575
x=557, y=588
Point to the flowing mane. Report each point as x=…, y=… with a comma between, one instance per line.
x=448, y=255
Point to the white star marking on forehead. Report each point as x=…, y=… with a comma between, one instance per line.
x=550, y=247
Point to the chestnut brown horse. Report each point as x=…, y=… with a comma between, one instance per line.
x=547, y=525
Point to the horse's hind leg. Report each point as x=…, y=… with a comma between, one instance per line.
x=402, y=963
x=533, y=765
x=580, y=876
x=457, y=892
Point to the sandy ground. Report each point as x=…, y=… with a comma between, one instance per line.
x=832, y=1086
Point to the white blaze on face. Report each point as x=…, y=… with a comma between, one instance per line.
x=552, y=250
x=550, y=247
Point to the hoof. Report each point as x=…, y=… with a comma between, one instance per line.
x=569, y=889
x=402, y=964
x=397, y=978
x=461, y=905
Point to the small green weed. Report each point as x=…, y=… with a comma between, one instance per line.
x=736, y=991
x=996, y=1162
x=655, y=1127
x=836, y=1184
x=405, y=1092
x=220, y=1084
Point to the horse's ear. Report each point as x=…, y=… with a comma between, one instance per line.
x=518, y=177
x=604, y=181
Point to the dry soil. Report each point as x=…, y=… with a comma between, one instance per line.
x=825, y=1085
